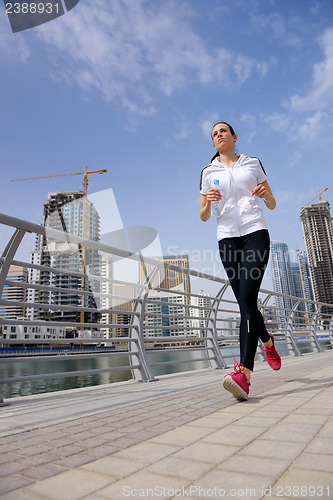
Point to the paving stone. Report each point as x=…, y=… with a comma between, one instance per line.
x=118, y=467
x=261, y=466
x=182, y=436
x=101, y=451
x=230, y=484
x=44, y=458
x=124, y=442
x=292, y=432
x=144, y=484
x=147, y=452
x=33, y=450
x=253, y=420
x=234, y=435
x=66, y=451
x=12, y=483
x=8, y=457
x=207, y=452
x=74, y=460
x=22, y=494
x=42, y=471
x=327, y=430
x=314, y=462
x=71, y=485
x=264, y=448
x=321, y=484
x=11, y=468
x=321, y=445
x=180, y=467
x=212, y=421
x=301, y=418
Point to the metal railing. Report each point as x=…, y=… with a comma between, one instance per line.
x=139, y=319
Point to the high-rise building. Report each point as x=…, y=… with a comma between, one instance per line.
x=200, y=305
x=107, y=272
x=15, y=293
x=34, y=280
x=168, y=278
x=318, y=235
x=282, y=277
x=306, y=283
x=169, y=309
x=300, y=312
x=72, y=213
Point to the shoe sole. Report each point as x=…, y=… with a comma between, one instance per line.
x=230, y=385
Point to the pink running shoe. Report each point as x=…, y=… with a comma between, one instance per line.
x=237, y=383
x=272, y=357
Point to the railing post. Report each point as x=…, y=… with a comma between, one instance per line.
x=291, y=342
x=331, y=331
x=137, y=349
x=312, y=333
x=212, y=345
x=5, y=263
x=8, y=255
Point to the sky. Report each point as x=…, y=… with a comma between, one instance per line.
x=134, y=87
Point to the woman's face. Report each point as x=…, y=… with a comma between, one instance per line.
x=223, y=139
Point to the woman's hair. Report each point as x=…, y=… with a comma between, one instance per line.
x=231, y=131
x=230, y=127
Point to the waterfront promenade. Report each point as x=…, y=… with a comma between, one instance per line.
x=181, y=436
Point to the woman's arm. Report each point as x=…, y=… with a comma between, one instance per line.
x=205, y=208
x=206, y=201
x=264, y=191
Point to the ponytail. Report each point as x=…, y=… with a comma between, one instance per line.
x=215, y=156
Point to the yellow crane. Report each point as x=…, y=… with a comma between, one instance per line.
x=85, y=176
x=318, y=196
x=84, y=233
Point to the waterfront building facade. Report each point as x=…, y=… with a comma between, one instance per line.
x=318, y=235
x=282, y=278
x=72, y=213
x=14, y=292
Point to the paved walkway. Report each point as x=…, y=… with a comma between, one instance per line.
x=180, y=437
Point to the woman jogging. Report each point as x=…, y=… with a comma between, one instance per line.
x=244, y=244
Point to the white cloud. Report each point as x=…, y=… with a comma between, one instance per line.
x=279, y=27
x=12, y=46
x=131, y=50
x=309, y=114
x=321, y=90
x=207, y=123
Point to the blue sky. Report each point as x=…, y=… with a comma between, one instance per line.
x=134, y=86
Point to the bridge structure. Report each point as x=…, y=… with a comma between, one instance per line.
x=181, y=435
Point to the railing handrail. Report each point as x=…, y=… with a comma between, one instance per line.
x=207, y=333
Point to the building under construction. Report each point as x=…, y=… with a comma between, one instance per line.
x=318, y=235
x=65, y=212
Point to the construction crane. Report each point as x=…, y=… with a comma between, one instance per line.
x=85, y=176
x=84, y=216
x=318, y=196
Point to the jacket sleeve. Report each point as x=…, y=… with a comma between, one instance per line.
x=204, y=184
x=261, y=174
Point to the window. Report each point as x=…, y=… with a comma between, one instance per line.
x=13, y=329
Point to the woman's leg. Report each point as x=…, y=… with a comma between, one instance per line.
x=244, y=259
x=255, y=255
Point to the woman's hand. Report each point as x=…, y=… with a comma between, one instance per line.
x=264, y=192
x=206, y=201
x=213, y=195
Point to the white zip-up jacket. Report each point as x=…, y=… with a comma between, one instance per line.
x=240, y=211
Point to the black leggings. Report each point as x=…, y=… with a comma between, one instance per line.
x=245, y=259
